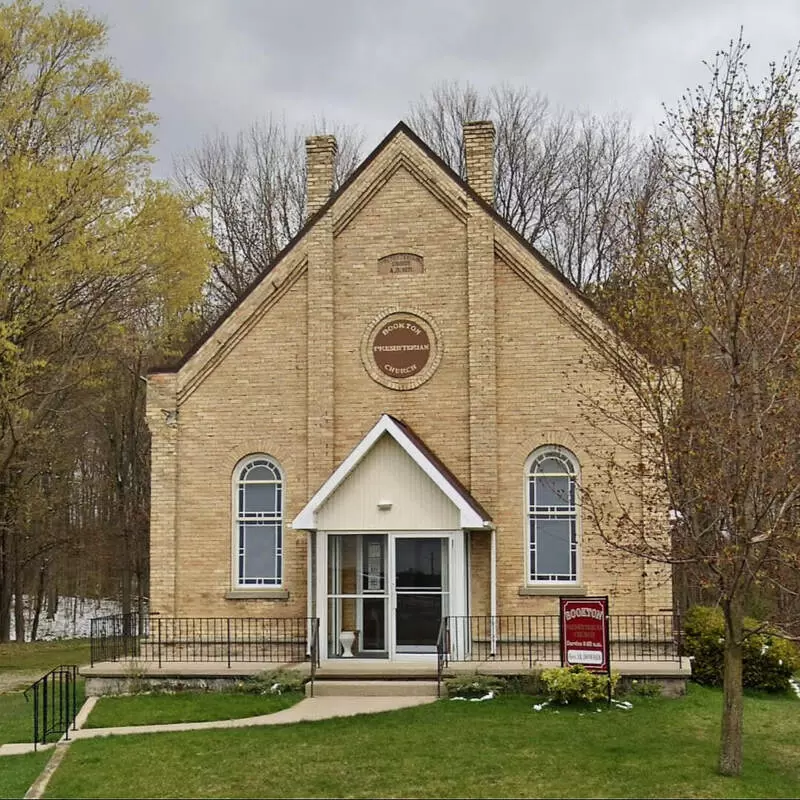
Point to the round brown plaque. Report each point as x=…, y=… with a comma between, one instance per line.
x=400, y=349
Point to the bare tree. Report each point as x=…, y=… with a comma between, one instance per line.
x=251, y=188
x=712, y=299
x=560, y=178
x=601, y=174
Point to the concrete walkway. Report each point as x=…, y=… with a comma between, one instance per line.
x=310, y=708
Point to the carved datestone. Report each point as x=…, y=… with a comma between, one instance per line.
x=401, y=264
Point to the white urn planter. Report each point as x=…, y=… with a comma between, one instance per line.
x=347, y=639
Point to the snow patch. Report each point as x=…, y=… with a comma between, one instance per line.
x=488, y=696
x=72, y=619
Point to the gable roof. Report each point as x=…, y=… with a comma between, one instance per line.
x=472, y=514
x=400, y=128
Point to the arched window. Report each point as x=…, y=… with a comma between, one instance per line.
x=552, y=492
x=259, y=523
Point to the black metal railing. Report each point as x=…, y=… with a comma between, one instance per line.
x=116, y=637
x=158, y=639
x=55, y=703
x=645, y=637
x=531, y=639
x=313, y=650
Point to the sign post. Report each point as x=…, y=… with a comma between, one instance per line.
x=585, y=634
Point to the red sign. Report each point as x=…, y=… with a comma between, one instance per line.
x=584, y=633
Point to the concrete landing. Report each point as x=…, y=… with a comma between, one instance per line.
x=372, y=688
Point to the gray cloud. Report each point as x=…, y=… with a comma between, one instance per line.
x=222, y=64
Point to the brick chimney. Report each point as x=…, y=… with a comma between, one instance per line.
x=320, y=156
x=479, y=153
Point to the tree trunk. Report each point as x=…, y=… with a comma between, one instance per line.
x=37, y=611
x=52, y=600
x=730, y=756
x=5, y=588
x=19, y=605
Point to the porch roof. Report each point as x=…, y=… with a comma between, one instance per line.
x=472, y=514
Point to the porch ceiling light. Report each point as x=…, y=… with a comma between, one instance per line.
x=384, y=505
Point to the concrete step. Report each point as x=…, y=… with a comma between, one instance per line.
x=372, y=688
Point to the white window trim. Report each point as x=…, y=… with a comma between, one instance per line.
x=567, y=455
x=241, y=589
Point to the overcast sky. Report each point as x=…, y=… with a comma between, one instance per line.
x=222, y=64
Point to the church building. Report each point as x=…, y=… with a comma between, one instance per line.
x=387, y=429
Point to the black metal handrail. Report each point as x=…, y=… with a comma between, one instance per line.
x=153, y=638
x=442, y=651
x=534, y=638
x=313, y=652
x=55, y=703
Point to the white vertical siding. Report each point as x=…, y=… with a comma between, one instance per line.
x=387, y=473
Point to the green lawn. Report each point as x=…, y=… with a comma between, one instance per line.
x=662, y=748
x=17, y=773
x=184, y=707
x=16, y=718
x=21, y=663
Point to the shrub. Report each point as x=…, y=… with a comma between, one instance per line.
x=525, y=683
x=577, y=684
x=768, y=660
x=646, y=688
x=273, y=682
x=474, y=685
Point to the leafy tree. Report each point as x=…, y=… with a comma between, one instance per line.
x=709, y=293
x=88, y=242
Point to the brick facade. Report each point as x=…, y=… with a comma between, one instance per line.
x=283, y=375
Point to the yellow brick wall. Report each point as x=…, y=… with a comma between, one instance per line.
x=253, y=402
x=544, y=372
x=403, y=217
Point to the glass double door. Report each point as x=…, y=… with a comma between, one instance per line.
x=390, y=590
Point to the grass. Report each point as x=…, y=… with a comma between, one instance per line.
x=23, y=662
x=17, y=773
x=447, y=749
x=184, y=707
x=16, y=716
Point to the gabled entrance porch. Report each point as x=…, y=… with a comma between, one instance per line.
x=388, y=555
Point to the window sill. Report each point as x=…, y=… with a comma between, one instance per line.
x=566, y=590
x=257, y=594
